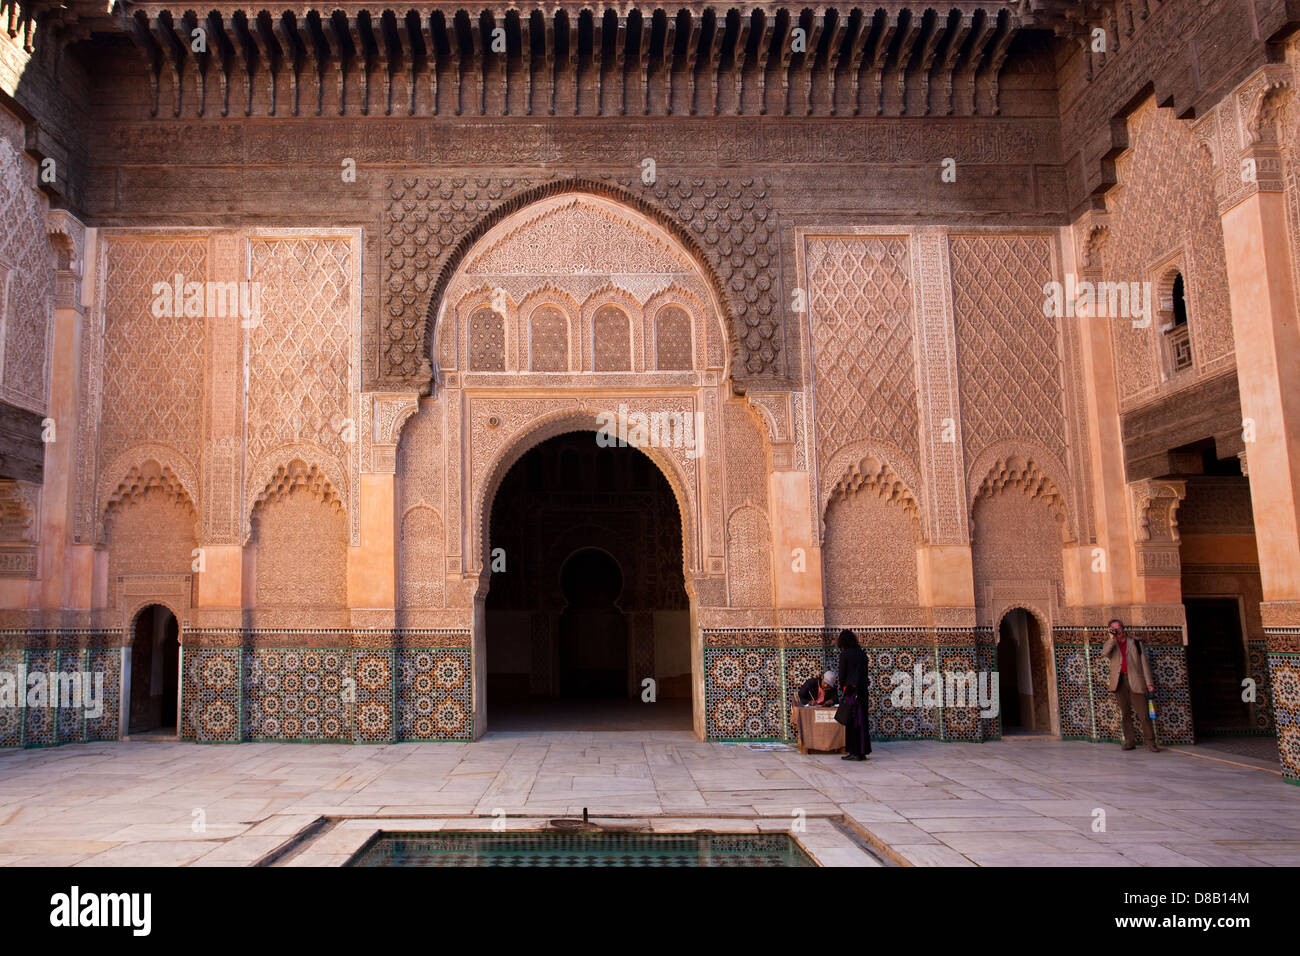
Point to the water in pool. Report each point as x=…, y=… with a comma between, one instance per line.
x=581, y=849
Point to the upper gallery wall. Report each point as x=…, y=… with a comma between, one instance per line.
x=734, y=125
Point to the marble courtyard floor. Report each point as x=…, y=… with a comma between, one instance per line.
x=1013, y=802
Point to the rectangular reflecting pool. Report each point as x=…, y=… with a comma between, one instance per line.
x=587, y=849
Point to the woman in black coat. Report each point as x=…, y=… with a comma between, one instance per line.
x=854, y=684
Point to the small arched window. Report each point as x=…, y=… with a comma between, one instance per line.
x=611, y=340
x=1180, y=300
x=672, y=339
x=487, y=341
x=549, y=340
x=1173, y=308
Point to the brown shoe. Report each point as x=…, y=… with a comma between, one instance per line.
x=1154, y=749
x=1129, y=746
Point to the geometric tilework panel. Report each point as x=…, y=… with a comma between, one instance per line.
x=210, y=694
x=108, y=662
x=743, y=697
x=298, y=694
x=1284, y=673
x=1073, y=691
x=11, y=718
x=1262, y=709
x=1173, y=695
x=60, y=685
x=376, y=696
x=990, y=728
x=960, y=722
x=327, y=694
x=889, y=722
x=39, y=723
x=433, y=694
x=70, y=722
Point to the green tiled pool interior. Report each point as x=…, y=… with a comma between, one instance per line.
x=581, y=849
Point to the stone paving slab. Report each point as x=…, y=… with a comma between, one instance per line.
x=917, y=803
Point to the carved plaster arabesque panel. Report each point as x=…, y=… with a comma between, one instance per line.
x=860, y=320
x=429, y=220
x=20, y=510
x=222, y=495
x=310, y=328
x=936, y=345
x=1165, y=200
x=871, y=534
x=1008, y=352
x=387, y=414
x=860, y=361
x=147, y=371
x=135, y=592
x=27, y=308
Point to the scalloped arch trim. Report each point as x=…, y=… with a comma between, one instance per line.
x=1025, y=475
x=142, y=478
x=298, y=474
x=874, y=475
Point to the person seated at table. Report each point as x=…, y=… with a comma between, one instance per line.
x=819, y=691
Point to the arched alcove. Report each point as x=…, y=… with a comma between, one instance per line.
x=586, y=606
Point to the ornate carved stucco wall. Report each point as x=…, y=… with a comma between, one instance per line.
x=623, y=320
x=1163, y=217
x=26, y=278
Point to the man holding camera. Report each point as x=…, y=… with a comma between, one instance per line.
x=1130, y=682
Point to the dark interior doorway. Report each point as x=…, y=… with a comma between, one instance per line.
x=1216, y=666
x=593, y=629
x=587, y=605
x=155, y=670
x=1023, y=676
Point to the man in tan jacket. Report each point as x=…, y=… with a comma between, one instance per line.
x=1130, y=681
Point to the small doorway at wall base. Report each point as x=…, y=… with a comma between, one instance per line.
x=155, y=673
x=1216, y=667
x=1023, y=676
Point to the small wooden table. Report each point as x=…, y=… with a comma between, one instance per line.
x=817, y=729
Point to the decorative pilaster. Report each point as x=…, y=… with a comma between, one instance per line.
x=372, y=566
x=67, y=573
x=220, y=574
x=947, y=578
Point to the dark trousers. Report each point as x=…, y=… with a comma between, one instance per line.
x=1130, y=700
x=857, y=735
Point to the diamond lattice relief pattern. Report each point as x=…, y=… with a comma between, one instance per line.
x=26, y=250
x=300, y=353
x=1007, y=358
x=1166, y=203
x=672, y=338
x=153, y=365
x=487, y=341
x=861, y=319
x=611, y=345
x=550, y=340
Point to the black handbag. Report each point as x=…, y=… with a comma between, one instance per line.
x=844, y=713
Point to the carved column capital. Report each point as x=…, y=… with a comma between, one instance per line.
x=390, y=412
x=67, y=236
x=1155, y=522
x=1241, y=135
x=1155, y=509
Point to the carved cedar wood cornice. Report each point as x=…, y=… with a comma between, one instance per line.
x=572, y=58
